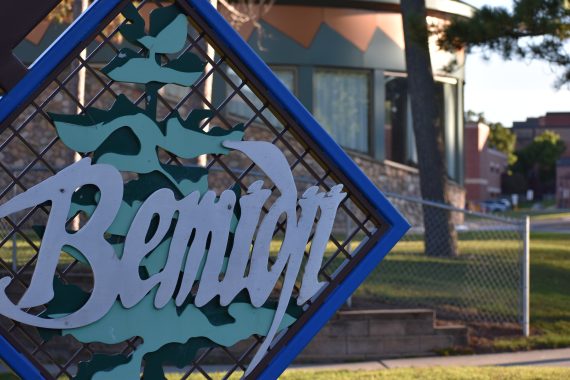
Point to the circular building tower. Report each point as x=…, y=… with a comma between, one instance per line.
x=345, y=62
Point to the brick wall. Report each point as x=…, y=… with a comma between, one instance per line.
x=483, y=164
x=563, y=183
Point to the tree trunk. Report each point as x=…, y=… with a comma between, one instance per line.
x=440, y=235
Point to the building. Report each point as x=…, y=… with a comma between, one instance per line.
x=483, y=164
x=345, y=62
x=563, y=183
x=558, y=122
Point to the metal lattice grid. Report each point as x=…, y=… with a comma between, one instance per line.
x=31, y=152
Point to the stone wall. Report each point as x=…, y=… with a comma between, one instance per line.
x=379, y=334
x=390, y=177
x=358, y=335
x=395, y=178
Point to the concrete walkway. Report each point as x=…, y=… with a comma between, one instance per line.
x=547, y=358
x=552, y=358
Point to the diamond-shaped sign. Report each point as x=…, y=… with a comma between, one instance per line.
x=152, y=225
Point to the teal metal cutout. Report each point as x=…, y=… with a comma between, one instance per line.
x=128, y=138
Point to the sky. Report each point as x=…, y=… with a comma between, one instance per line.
x=507, y=91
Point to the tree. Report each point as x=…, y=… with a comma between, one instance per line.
x=538, y=161
x=440, y=234
x=475, y=117
x=242, y=12
x=534, y=29
x=504, y=140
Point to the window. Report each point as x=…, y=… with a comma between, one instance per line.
x=399, y=143
x=341, y=105
x=239, y=108
x=447, y=96
x=399, y=137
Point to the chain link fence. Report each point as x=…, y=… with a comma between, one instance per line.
x=12, y=247
x=483, y=283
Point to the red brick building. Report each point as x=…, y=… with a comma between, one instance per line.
x=563, y=183
x=558, y=122
x=483, y=165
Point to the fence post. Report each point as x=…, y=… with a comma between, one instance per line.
x=526, y=277
x=14, y=252
x=348, y=227
x=14, y=243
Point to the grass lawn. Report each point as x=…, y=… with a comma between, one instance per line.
x=437, y=374
x=537, y=215
x=549, y=216
x=487, y=373
x=468, y=283
x=472, y=282
x=463, y=373
x=550, y=294
x=550, y=285
x=473, y=285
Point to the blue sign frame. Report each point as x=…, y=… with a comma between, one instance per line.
x=85, y=26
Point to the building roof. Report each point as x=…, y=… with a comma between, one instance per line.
x=455, y=7
x=550, y=120
x=46, y=32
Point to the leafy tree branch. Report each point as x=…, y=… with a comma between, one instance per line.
x=534, y=29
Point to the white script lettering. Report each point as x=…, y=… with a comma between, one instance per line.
x=205, y=217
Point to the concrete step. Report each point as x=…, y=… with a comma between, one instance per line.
x=379, y=334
